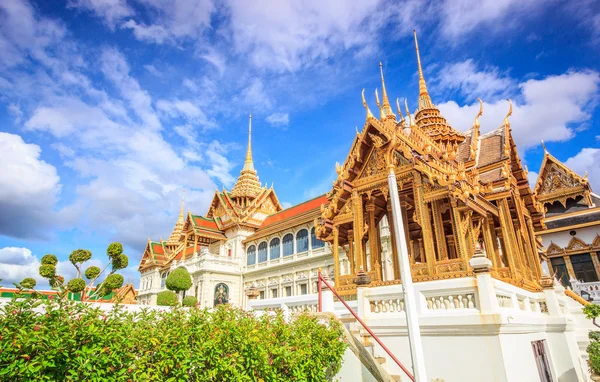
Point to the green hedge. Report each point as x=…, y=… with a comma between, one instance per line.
x=71, y=341
x=167, y=298
x=189, y=301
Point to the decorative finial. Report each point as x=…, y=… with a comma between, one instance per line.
x=475, y=135
x=410, y=120
x=544, y=146
x=377, y=99
x=369, y=114
x=386, y=108
x=424, y=99
x=399, y=109
x=507, y=130
x=182, y=204
x=476, y=122
x=506, y=121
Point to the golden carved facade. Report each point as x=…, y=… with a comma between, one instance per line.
x=459, y=193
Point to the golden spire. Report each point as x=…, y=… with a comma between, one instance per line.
x=182, y=204
x=248, y=164
x=386, y=108
x=369, y=114
x=399, y=109
x=475, y=135
x=544, y=146
x=410, y=119
x=424, y=99
x=178, y=230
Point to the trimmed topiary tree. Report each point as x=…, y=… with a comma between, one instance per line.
x=179, y=280
x=190, y=301
x=117, y=261
x=28, y=283
x=167, y=298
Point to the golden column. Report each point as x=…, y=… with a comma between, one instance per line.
x=440, y=235
x=488, y=240
x=508, y=235
x=373, y=242
x=425, y=221
x=357, y=211
x=459, y=233
x=350, y=253
x=336, y=256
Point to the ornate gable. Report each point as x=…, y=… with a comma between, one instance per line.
x=576, y=245
x=557, y=182
x=553, y=249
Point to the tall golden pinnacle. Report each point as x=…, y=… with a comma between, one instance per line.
x=475, y=128
x=507, y=130
x=182, y=204
x=249, y=164
x=364, y=102
x=424, y=98
x=385, y=106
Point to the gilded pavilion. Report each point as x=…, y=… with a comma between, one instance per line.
x=460, y=193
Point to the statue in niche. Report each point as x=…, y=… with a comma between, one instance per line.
x=221, y=294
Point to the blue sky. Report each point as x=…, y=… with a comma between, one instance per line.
x=110, y=108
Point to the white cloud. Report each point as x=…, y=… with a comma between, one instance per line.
x=110, y=11
x=532, y=177
x=586, y=161
x=16, y=112
x=279, y=119
x=255, y=96
x=29, y=188
x=550, y=108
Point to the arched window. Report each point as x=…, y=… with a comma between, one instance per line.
x=262, y=252
x=302, y=241
x=221, y=294
x=251, y=255
x=288, y=245
x=314, y=242
x=274, y=248
x=163, y=279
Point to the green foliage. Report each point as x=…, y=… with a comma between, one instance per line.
x=92, y=272
x=113, y=282
x=591, y=311
x=120, y=262
x=49, y=259
x=79, y=256
x=72, y=341
x=114, y=250
x=76, y=285
x=47, y=271
x=179, y=280
x=189, y=301
x=166, y=298
x=56, y=281
x=28, y=283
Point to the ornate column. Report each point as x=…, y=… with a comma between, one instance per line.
x=357, y=213
x=373, y=247
x=508, y=235
x=531, y=233
x=350, y=253
x=424, y=220
x=459, y=233
x=395, y=264
x=569, y=266
x=440, y=236
x=488, y=240
x=336, y=256
x=185, y=242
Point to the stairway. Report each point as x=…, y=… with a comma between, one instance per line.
x=363, y=346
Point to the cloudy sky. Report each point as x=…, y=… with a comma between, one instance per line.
x=110, y=108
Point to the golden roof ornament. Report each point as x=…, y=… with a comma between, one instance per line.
x=385, y=106
x=400, y=110
x=178, y=230
x=381, y=112
x=475, y=135
x=247, y=184
x=364, y=102
x=507, y=130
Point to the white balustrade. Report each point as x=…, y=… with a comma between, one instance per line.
x=451, y=302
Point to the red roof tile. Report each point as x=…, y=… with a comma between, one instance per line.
x=294, y=211
x=205, y=223
x=157, y=248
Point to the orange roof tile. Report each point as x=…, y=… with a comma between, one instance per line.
x=294, y=211
x=158, y=248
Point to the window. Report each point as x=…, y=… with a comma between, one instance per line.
x=302, y=241
x=251, y=255
x=274, y=293
x=288, y=245
x=221, y=294
x=303, y=289
x=288, y=291
x=262, y=252
x=229, y=252
x=274, y=248
x=163, y=279
x=559, y=267
x=314, y=242
x=541, y=360
x=584, y=268
x=261, y=295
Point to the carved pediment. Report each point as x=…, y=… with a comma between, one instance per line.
x=556, y=179
x=576, y=244
x=553, y=249
x=596, y=242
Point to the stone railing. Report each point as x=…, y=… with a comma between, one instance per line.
x=293, y=304
x=511, y=297
x=592, y=288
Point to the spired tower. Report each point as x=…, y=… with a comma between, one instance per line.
x=247, y=186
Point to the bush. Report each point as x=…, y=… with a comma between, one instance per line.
x=592, y=311
x=49, y=259
x=114, y=250
x=28, y=283
x=71, y=341
x=189, y=301
x=47, y=270
x=80, y=256
x=179, y=280
x=167, y=298
x=92, y=272
x=113, y=282
x=120, y=262
x=76, y=285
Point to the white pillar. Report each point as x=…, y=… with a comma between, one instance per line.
x=410, y=300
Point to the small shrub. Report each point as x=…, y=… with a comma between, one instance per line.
x=179, y=280
x=167, y=298
x=79, y=256
x=189, y=301
x=114, y=250
x=47, y=270
x=120, y=262
x=76, y=285
x=28, y=283
x=92, y=272
x=49, y=259
x=114, y=281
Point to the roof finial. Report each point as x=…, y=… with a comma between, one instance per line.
x=544, y=146
x=399, y=109
x=410, y=120
x=386, y=108
x=507, y=130
x=369, y=114
x=248, y=164
x=424, y=99
x=475, y=135
x=182, y=204
x=506, y=121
